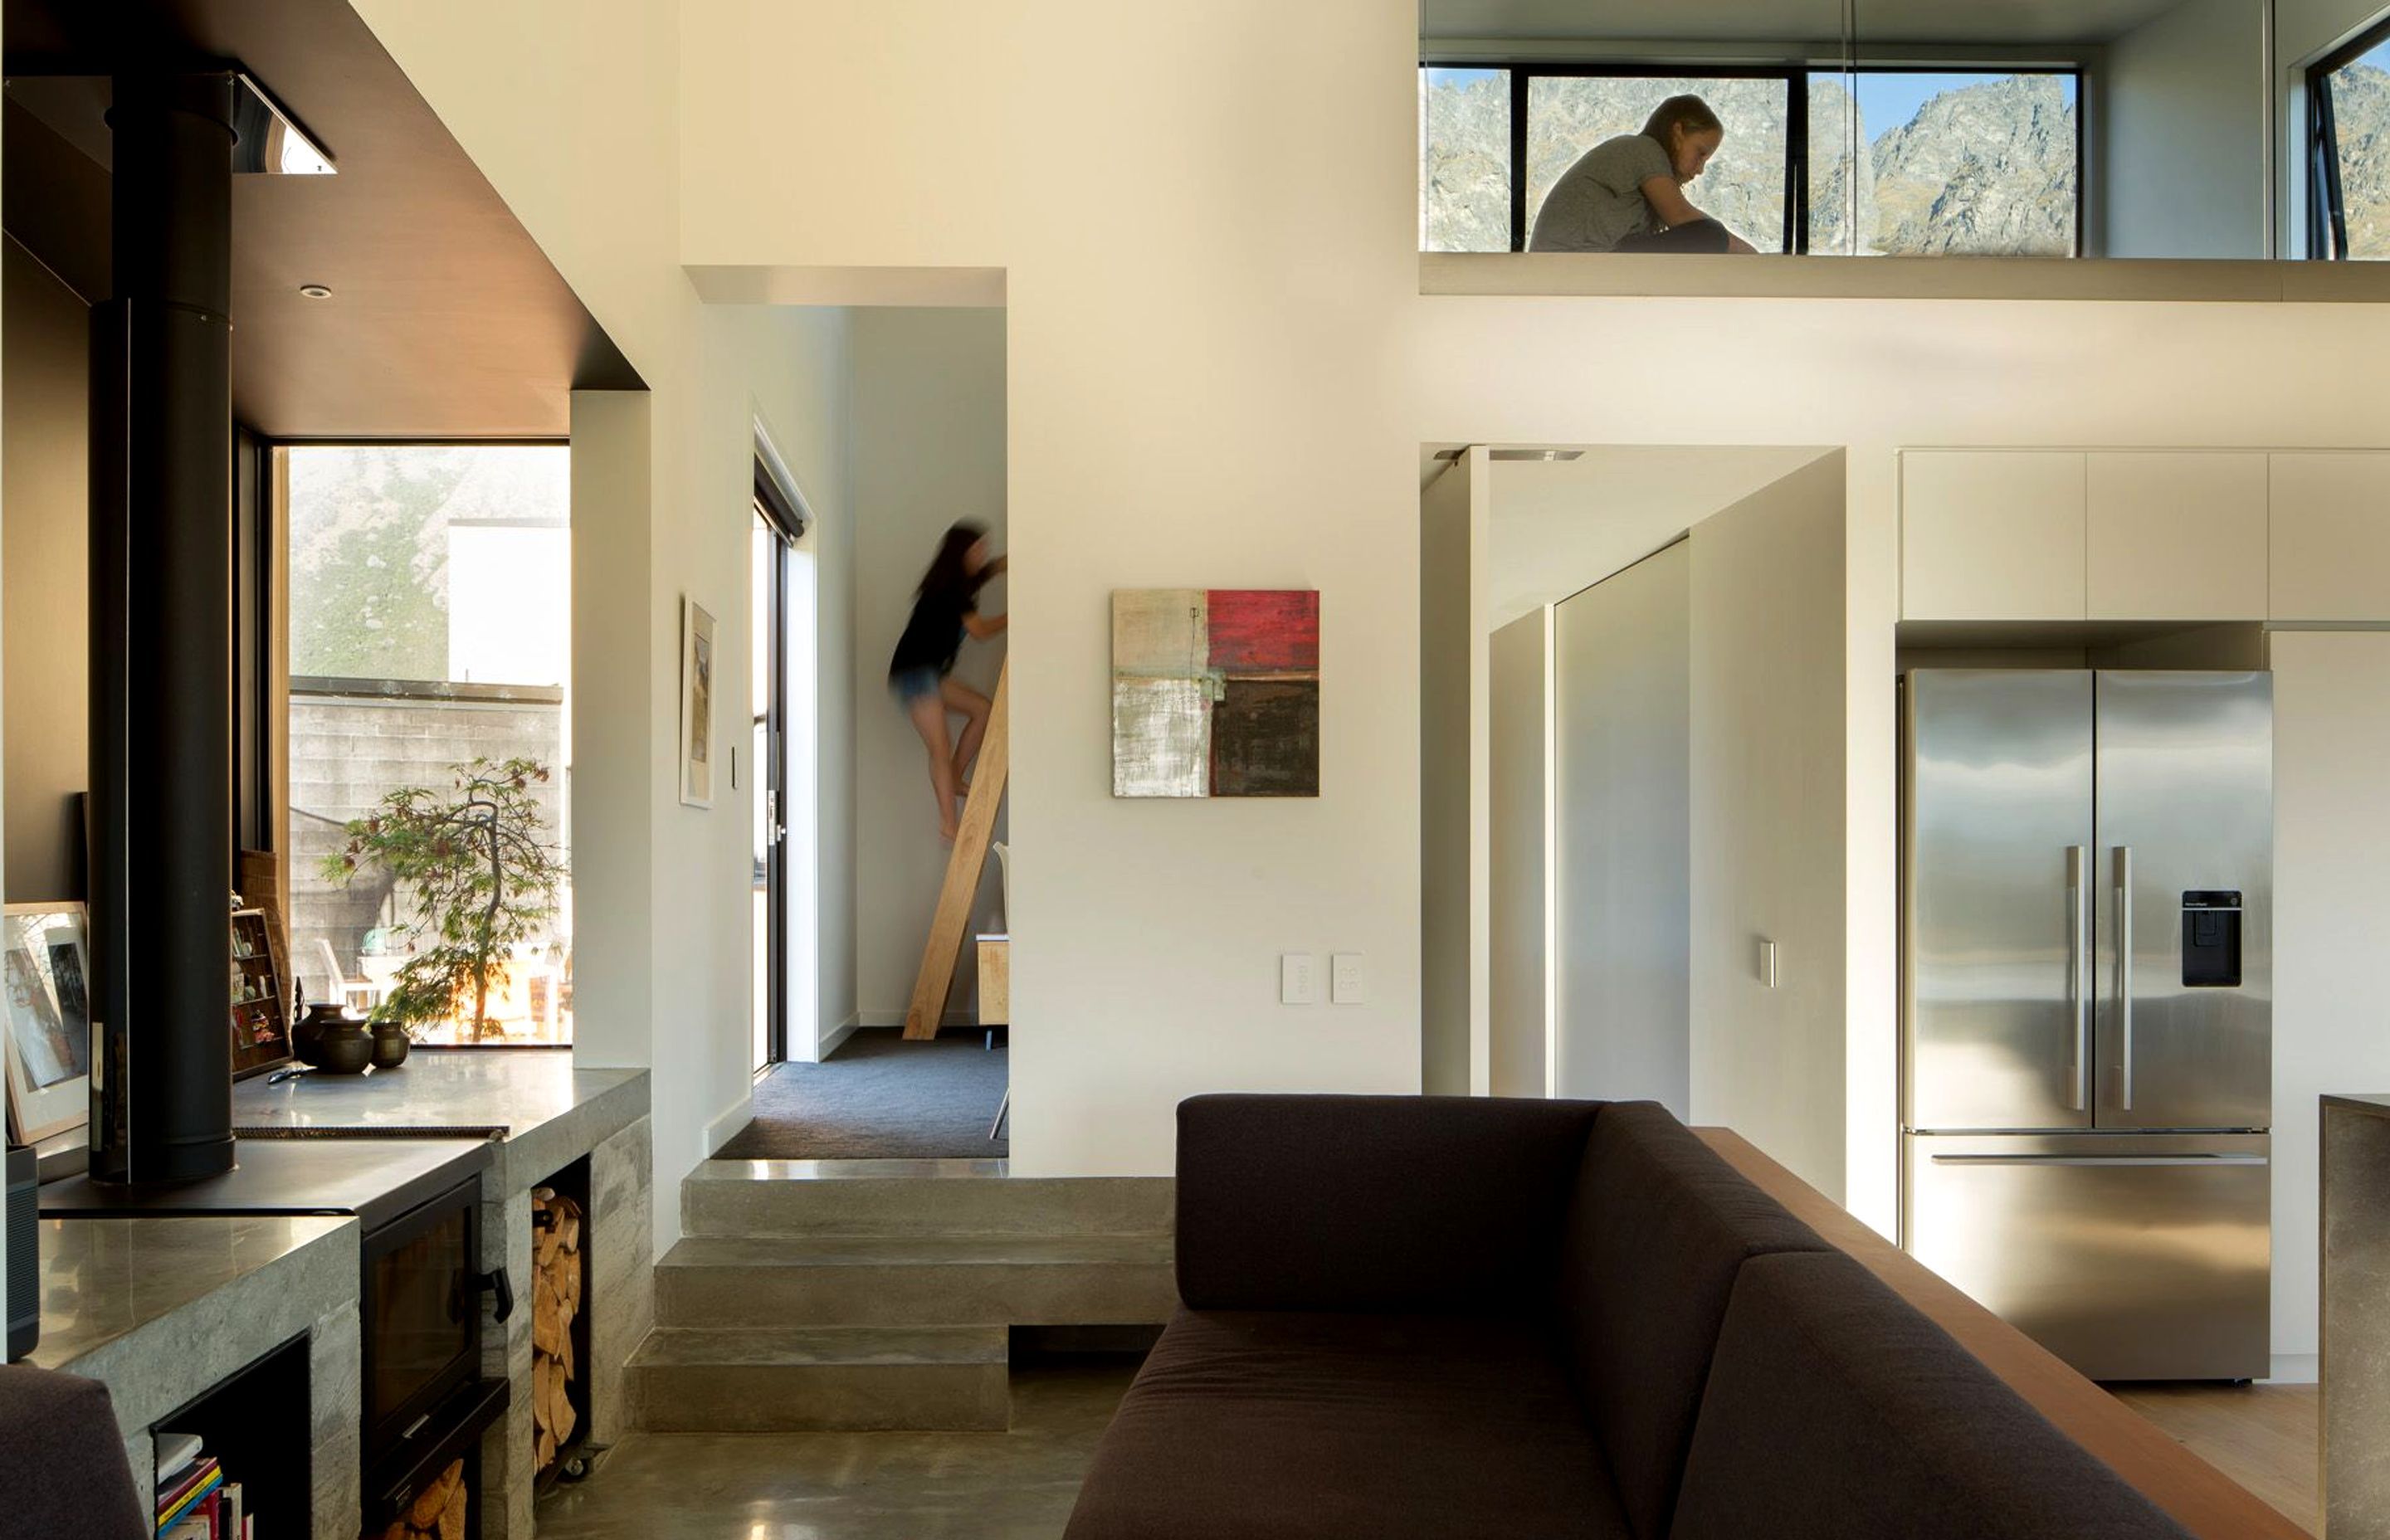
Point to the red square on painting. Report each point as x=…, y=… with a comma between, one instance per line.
x=1264, y=630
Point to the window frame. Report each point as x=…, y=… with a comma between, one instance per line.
x=1794, y=239
x=2327, y=207
x=262, y=603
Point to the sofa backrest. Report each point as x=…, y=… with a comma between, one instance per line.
x=1374, y=1203
x=1836, y=1411
x=1657, y=1229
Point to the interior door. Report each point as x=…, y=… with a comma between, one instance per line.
x=2186, y=841
x=766, y=759
x=1996, y=828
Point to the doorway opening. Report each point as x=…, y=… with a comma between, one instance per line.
x=783, y=699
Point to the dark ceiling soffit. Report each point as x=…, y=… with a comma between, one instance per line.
x=446, y=320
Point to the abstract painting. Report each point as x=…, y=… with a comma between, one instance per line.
x=1215, y=692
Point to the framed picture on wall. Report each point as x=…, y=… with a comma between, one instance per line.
x=46, y=960
x=696, y=704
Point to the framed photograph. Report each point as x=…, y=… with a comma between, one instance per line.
x=47, y=960
x=696, y=705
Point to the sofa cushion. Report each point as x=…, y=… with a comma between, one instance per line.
x=68, y=1477
x=1657, y=1230
x=1837, y=1412
x=1292, y=1426
x=1394, y=1204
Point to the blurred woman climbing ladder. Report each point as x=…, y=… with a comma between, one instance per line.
x=945, y=611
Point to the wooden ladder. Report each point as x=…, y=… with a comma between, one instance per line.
x=963, y=869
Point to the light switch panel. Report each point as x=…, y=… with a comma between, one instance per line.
x=1298, y=979
x=1344, y=979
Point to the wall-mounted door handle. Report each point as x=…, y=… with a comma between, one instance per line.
x=2078, y=976
x=2125, y=975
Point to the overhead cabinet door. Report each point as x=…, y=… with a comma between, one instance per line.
x=1992, y=536
x=2331, y=537
x=2176, y=536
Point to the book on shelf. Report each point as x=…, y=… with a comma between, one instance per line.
x=190, y=1497
x=171, y=1493
x=177, y=1454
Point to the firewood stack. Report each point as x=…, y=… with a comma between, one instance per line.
x=554, y=1300
x=438, y=1511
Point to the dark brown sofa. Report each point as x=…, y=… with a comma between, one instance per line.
x=1407, y=1317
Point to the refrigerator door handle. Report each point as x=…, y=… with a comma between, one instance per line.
x=2099, y=1160
x=2125, y=975
x=2078, y=972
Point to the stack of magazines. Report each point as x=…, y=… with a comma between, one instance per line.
x=195, y=1502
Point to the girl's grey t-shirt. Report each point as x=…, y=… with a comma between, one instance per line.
x=1598, y=201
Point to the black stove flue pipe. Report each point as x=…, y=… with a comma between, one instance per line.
x=160, y=807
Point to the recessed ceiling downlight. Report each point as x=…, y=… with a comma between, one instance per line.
x=316, y=290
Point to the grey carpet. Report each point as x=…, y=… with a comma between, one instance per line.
x=880, y=1097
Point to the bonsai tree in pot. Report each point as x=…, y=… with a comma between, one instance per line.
x=477, y=858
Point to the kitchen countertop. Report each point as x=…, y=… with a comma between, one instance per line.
x=2373, y=1106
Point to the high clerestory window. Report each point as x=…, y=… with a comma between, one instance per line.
x=1855, y=162
x=2348, y=129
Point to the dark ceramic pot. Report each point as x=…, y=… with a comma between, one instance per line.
x=329, y=1039
x=389, y=1045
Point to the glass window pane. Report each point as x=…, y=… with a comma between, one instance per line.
x=429, y=626
x=2361, y=112
x=1743, y=185
x=1913, y=162
x=1464, y=160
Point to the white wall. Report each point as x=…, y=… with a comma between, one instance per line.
x=1768, y=767
x=2184, y=113
x=1518, y=753
x=926, y=448
x=1622, y=719
x=2332, y=922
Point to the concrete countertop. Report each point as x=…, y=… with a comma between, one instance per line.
x=163, y=1310
x=547, y=1111
x=106, y=1279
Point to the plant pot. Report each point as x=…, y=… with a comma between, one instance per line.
x=389, y=1045
x=329, y=1039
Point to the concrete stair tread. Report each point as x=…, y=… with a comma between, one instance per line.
x=854, y=1171
x=784, y=1347
x=941, y=1250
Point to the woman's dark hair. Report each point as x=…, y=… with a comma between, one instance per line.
x=1689, y=113
x=949, y=570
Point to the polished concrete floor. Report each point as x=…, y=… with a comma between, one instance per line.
x=1015, y=1485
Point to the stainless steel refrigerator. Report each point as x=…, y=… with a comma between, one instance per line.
x=2086, y=1022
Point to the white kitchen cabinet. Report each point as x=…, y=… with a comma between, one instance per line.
x=2175, y=535
x=1992, y=536
x=2331, y=537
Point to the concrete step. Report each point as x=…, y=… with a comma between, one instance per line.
x=748, y=1380
x=908, y=1280
x=915, y=1198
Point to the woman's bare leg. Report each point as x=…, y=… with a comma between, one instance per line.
x=974, y=706
x=929, y=714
